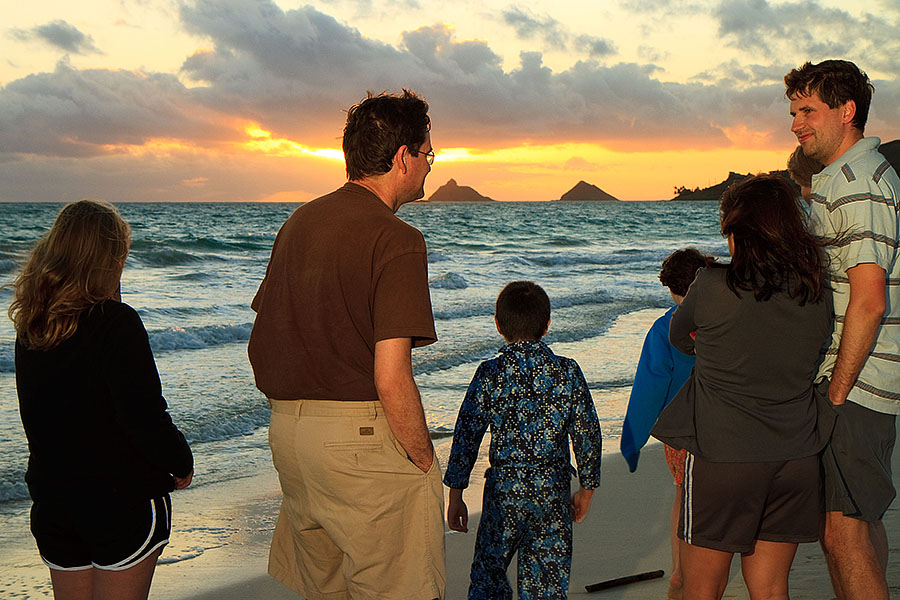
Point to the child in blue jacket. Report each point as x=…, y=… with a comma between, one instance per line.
x=533, y=401
x=661, y=372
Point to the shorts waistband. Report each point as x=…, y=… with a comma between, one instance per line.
x=328, y=408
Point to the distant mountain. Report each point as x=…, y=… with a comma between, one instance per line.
x=711, y=193
x=584, y=191
x=453, y=192
x=891, y=151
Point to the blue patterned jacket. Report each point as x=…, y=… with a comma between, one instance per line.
x=533, y=401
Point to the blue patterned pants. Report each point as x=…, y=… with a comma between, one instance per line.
x=529, y=515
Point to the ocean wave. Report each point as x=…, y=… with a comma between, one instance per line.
x=189, y=311
x=198, y=276
x=601, y=259
x=12, y=487
x=165, y=258
x=193, y=338
x=213, y=244
x=449, y=281
x=8, y=265
x=8, y=359
x=472, y=309
x=565, y=242
x=231, y=422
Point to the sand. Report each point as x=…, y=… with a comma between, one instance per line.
x=625, y=533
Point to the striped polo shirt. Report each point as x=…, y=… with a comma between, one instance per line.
x=855, y=198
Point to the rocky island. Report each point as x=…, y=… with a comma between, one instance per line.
x=585, y=192
x=453, y=192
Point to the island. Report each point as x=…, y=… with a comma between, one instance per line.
x=585, y=192
x=453, y=192
x=890, y=150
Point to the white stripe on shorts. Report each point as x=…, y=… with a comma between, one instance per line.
x=143, y=551
x=687, y=502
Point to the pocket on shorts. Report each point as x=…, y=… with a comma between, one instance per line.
x=375, y=445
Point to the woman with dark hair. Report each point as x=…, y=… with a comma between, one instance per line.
x=748, y=416
x=104, y=453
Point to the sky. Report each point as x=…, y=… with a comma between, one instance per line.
x=245, y=100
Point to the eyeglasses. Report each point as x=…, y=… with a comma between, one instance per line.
x=429, y=156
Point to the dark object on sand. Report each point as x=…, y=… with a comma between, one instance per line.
x=596, y=587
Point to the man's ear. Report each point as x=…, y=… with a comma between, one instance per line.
x=849, y=111
x=400, y=158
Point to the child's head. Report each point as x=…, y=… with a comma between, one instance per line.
x=522, y=312
x=680, y=268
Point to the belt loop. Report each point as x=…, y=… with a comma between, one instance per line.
x=373, y=411
x=299, y=407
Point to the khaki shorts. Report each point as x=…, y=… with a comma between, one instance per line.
x=358, y=519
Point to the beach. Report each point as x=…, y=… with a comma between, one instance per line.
x=191, y=275
x=625, y=533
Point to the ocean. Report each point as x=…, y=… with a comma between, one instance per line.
x=194, y=268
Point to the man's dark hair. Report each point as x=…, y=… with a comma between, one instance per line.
x=680, y=268
x=378, y=126
x=836, y=82
x=523, y=311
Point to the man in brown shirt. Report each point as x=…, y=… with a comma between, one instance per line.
x=344, y=300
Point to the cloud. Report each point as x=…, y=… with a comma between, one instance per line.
x=294, y=72
x=287, y=69
x=529, y=26
x=73, y=112
x=60, y=34
x=554, y=34
x=807, y=28
x=595, y=47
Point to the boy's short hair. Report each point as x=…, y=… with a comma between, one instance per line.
x=522, y=311
x=680, y=268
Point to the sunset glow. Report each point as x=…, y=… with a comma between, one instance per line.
x=526, y=100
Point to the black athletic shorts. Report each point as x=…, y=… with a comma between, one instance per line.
x=109, y=534
x=728, y=506
x=857, y=463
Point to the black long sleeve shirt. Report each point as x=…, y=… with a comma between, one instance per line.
x=94, y=414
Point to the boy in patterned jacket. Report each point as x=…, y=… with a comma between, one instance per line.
x=534, y=402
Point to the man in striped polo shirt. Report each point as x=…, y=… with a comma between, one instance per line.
x=854, y=199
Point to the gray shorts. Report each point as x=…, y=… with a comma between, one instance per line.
x=857, y=463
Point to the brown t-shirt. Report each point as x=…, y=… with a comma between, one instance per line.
x=345, y=272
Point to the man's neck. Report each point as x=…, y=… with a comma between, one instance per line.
x=379, y=186
x=846, y=144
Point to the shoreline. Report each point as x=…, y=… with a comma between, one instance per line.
x=625, y=533
x=221, y=534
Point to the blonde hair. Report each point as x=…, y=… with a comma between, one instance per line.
x=75, y=265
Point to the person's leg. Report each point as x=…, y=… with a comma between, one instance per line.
x=858, y=489
x=704, y=571
x=129, y=584
x=545, y=552
x=767, y=568
x=854, y=562
x=493, y=552
x=72, y=585
x=675, y=579
x=880, y=543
